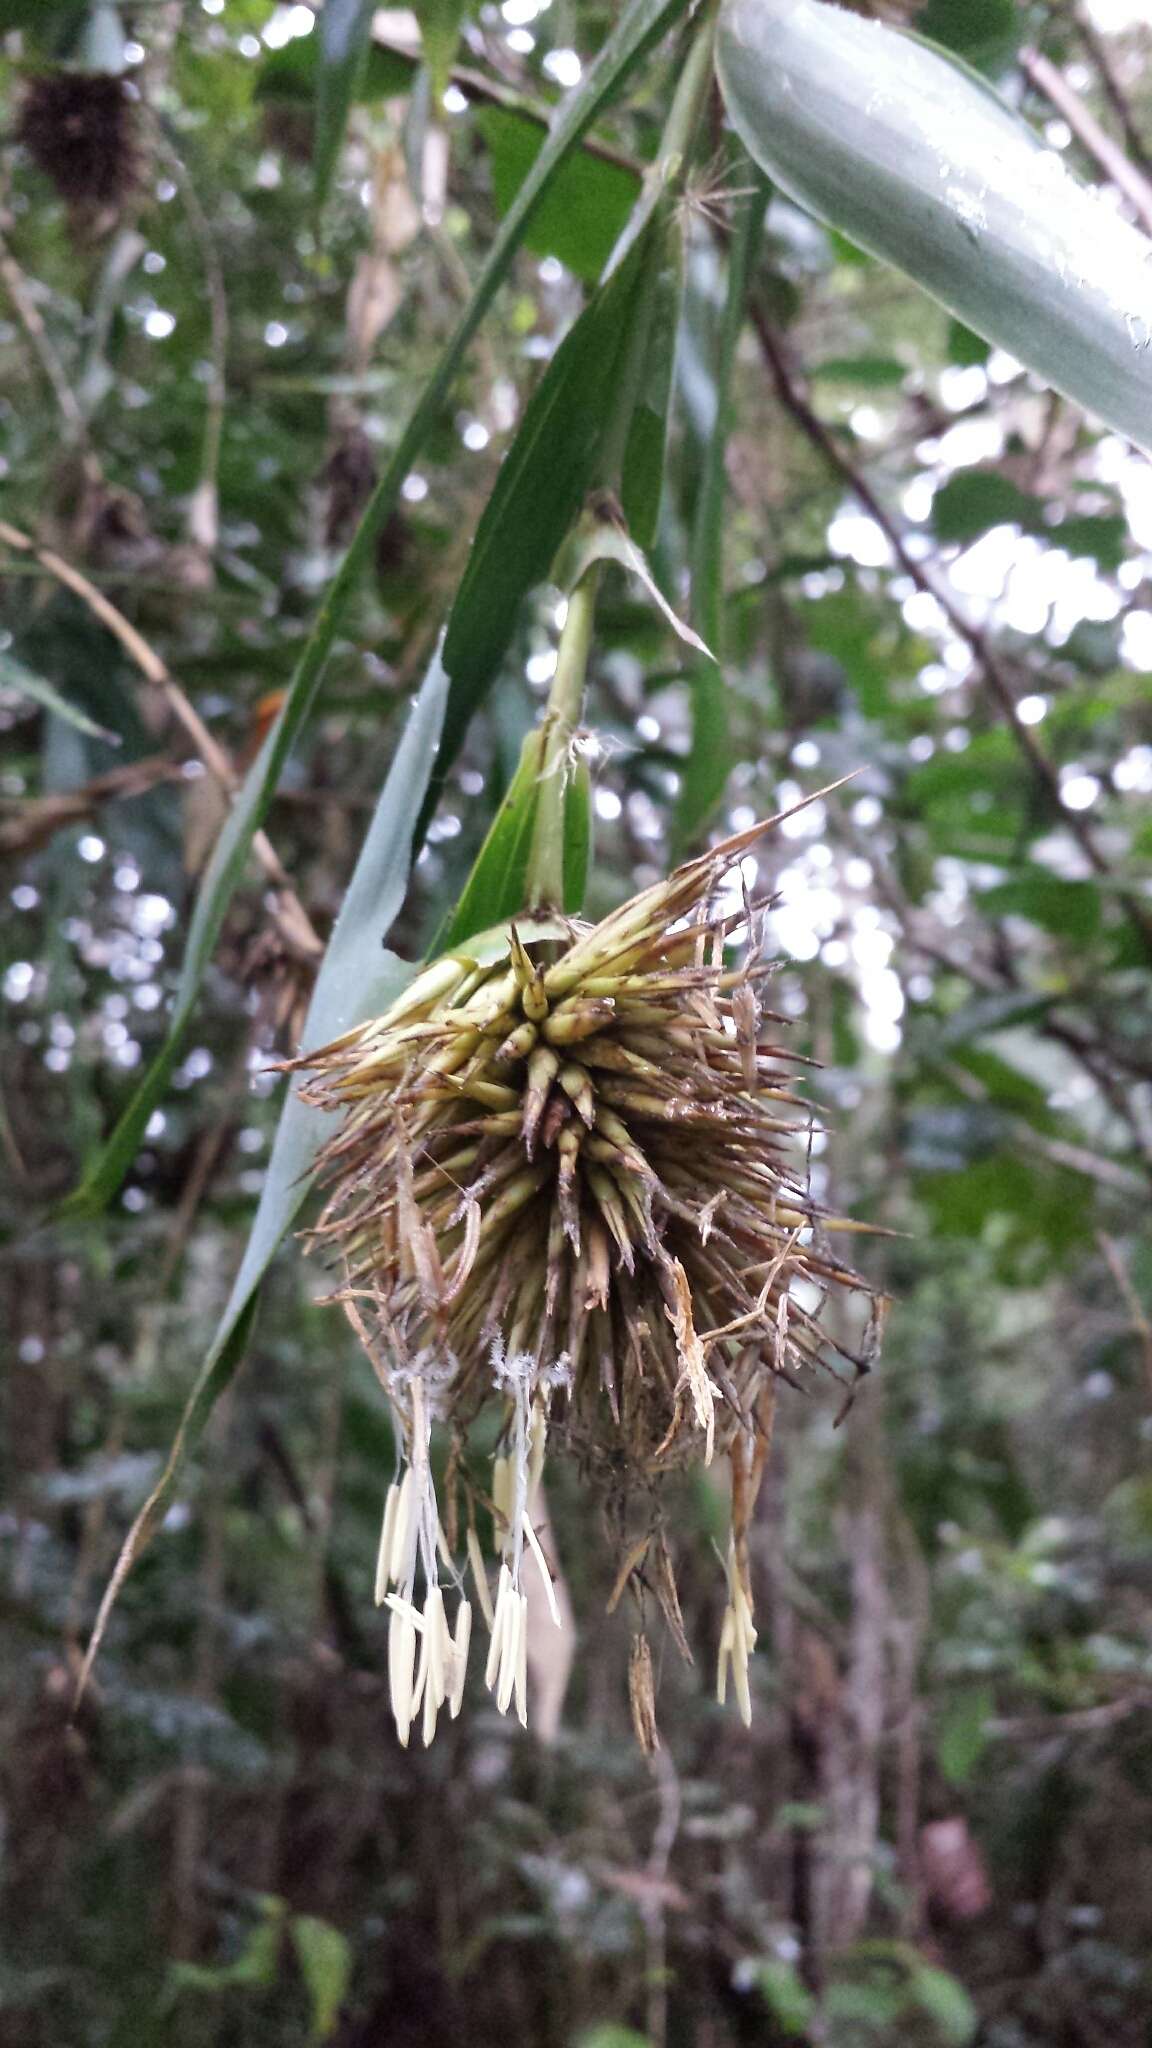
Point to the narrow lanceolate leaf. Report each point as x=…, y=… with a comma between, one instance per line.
x=586, y=210
x=356, y=981
x=497, y=888
x=358, y=978
x=440, y=22
x=14, y=676
x=577, y=854
x=637, y=28
x=343, y=32
x=642, y=473
x=325, y=1957
x=550, y=467
x=706, y=769
x=920, y=163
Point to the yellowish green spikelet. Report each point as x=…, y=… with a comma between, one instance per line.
x=569, y=1184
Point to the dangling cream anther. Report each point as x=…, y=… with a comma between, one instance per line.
x=480, y=1576
x=737, y=1640
x=401, y=1528
x=384, y=1554
x=545, y=1574
x=437, y=1642
x=727, y=1636
x=460, y=1657
x=401, y=1661
x=503, y=1495
x=495, y=1647
x=522, y=1660
x=510, y=1633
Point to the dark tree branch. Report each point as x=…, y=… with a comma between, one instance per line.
x=1101, y=56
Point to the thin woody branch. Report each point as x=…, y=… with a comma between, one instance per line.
x=23, y=303
x=1097, y=48
x=292, y=919
x=1116, y=166
x=790, y=392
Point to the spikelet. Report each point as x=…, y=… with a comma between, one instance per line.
x=569, y=1182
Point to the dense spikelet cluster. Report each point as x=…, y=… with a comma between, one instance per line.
x=81, y=129
x=570, y=1182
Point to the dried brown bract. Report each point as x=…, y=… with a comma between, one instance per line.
x=570, y=1181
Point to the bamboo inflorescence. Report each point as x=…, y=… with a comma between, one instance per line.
x=570, y=1180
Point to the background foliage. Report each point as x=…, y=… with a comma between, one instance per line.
x=932, y=571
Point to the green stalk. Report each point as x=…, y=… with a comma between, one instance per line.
x=688, y=102
x=663, y=184
x=707, y=766
x=544, y=881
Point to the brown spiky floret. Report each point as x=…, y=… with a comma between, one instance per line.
x=570, y=1180
x=81, y=129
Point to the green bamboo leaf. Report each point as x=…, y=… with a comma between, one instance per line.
x=705, y=771
x=577, y=835
x=579, y=218
x=606, y=541
x=495, y=888
x=962, y=1736
x=946, y=2002
x=355, y=982
x=583, y=215
x=609, y=2035
x=865, y=373
x=440, y=23
x=986, y=32
x=661, y=302
x=325, y=1959
x=14, y=676
x=357, y=979
x=43, y=17
x=974, y=500
x=256, y=1965
x=541, y=486
x=1070, y=910
x=785, y=1994
x=291, y=73
x=638, y=27
x=343, y=34
x=964, y=347
x=917, y=160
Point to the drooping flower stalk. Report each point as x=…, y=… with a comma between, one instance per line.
x=570, y=1185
